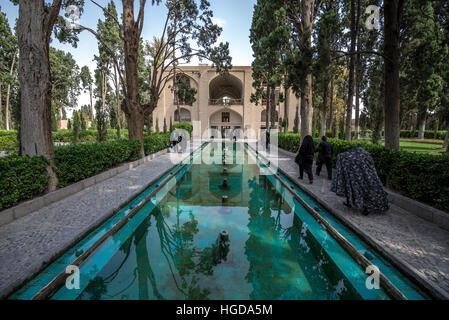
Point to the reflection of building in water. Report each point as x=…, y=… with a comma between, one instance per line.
x=222, y=103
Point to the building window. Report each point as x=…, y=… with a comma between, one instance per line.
x=225, y=117
x=185, y=115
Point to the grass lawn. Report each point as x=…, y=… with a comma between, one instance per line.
x=428, y=146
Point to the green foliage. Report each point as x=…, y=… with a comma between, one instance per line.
x=7, y=133
x=65, y=78
x=83, y=124
x=422, y=177
x=87, y=135
x=156, y=142
x=296, y=121
x=76, y=126
x=428, y=134
x=21, y=178
x=165, y=125
x=78, y=162
x=184, y=93
x=9, y=143
x=184, y=125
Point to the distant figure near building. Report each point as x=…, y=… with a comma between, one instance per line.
x=325, y=151
x=356, y=178
x=305, y=156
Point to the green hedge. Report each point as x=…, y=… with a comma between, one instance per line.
x=80, y=161
x=86, y=135
x=9, y=144
x=21, y=178
x=423, y=177
x=428, y=134
x=184, y=125
x=156, y=142
x=8, y=133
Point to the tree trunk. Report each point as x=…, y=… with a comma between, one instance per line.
x=91, y=105
x=306, y=93
x=349, y=104
x=324, y=109
x=136, y=122
x=446, y=139
x=286, y=102
x=393, y=14
x=380, y=113
x=117, y=98
x=331, y=106
x=267, y=113
x=34, y=28
x=8, y=92
x=422, y=124
x=103, y=91
x=273, y=108
x=306, y=109
x=133, y=110
x=357, y=96
x=59, y=117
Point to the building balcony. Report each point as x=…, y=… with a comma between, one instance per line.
x=225, y=102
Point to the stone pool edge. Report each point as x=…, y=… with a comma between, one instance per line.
x=400, y=264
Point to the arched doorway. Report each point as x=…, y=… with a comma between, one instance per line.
x=227, y=122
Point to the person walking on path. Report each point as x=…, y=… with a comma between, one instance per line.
x=325, y=151
x=305, y=156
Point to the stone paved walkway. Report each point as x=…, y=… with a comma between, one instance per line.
x=27, y=243
x=421, y=244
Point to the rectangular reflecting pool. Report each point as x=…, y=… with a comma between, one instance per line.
x=220, y=230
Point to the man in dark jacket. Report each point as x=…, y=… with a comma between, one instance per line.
x=324, y=150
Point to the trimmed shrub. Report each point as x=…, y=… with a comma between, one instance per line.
x=21, y=178
x=428, y=134
x=9, y=144
x=184, y=125
x=8, y=133
x=81, y=161
x=156, y=142
x=423, y=177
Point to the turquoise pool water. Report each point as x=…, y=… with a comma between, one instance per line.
x=173, y=248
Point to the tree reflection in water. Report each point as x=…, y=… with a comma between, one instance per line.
x=187, y=263
x=270, y=271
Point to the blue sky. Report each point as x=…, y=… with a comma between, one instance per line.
x=234, y=16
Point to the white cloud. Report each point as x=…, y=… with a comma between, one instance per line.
x=218, y=21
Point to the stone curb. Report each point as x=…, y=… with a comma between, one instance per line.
x=419, y=209
x=27, y=207
x=424, y=211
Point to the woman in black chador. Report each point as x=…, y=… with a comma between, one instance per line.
x=304, y=158
x=356, y=178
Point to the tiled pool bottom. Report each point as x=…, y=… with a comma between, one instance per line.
x=172, y=248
